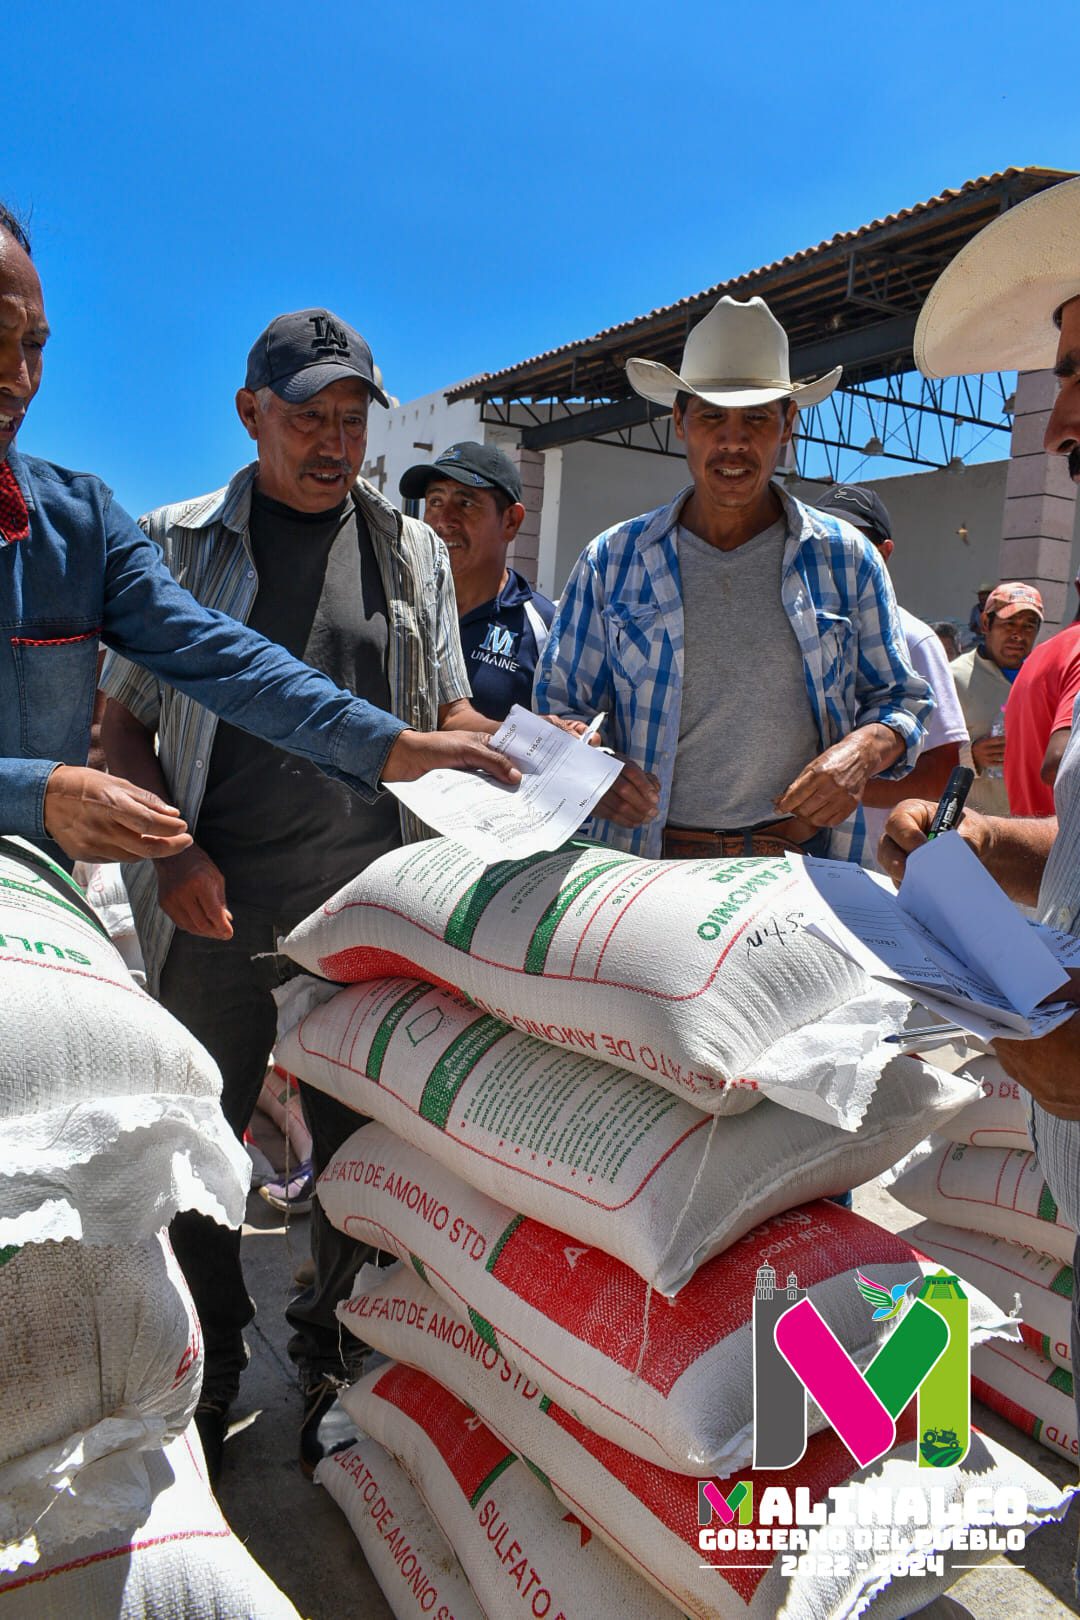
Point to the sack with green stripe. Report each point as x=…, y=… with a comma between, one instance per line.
x=996, y=1190
x=110, y=1110
x=606, y=1156
x=697, y=974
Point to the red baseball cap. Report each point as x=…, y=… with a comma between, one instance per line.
x=1009, y=600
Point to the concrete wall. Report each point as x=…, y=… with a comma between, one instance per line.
x=587, y=488
x=401, y=437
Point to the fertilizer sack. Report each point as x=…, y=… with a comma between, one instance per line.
x=109, y=1111
x=1009, y=1272
x=176, y=1560
x=652, y=1521
x=605, y=1156
x=523, y=1553
x=102, y=1358
x=697, y=974
x=997, y=1117
x=996, y=1190
x=670, y=1380
x=402, y=1544
x=1028, y=1391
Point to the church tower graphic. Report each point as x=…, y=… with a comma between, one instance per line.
x=779, y=1397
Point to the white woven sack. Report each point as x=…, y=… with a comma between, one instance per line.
x=176, y=1560
x=403, y=1546
x=520, y=1549
x=109, y=1112
x=697, y=974
x=1009, y=1272
x=668, y=1380
x=997, y=1117
x=102, y=1358
x=600, y=1154
x=995, y=1190
x=103, y=884
x=1030, y=1391
x=650, y=1518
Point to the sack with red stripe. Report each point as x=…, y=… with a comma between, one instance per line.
x=653, y=1519
x=997, y=1190
x=403, y=1546
x=1030, y=1392
x=997, y=1117
x=521, y=1550
x=699, y=975
x=603, y=1155
x=671, y=1380
x=1010, y=1272
x=102, y=1358
x=175, y=1560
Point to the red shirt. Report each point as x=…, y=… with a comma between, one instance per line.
x=1041, y=702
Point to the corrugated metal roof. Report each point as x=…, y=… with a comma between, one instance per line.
x=946, y=205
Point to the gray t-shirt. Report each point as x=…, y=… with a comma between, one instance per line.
x=746, y=729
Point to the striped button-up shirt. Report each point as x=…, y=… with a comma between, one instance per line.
x=1057, y=1141
x=616, y=645
x=207, y=547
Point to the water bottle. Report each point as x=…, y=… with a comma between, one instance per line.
x=997, y=730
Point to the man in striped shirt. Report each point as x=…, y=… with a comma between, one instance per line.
x=745, y=649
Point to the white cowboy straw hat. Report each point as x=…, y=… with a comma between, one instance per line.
x=738, y=355
x=992, y=308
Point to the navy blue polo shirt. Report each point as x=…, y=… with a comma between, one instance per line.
x=501, y=646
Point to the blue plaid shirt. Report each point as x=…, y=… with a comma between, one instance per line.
x=616, y=644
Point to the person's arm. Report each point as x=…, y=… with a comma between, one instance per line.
x=946, y=732
x=1055, y=748
x=573, y=680
x=191, y=888
x=932, y=770
x=1015, y=852
x=1048, y=1068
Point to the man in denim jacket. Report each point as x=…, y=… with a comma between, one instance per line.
x=76, y=570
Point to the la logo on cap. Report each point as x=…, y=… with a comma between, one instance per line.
x=329, y=337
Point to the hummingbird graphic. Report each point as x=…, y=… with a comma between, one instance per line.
x=889, y=1302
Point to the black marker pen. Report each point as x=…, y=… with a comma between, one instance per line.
x=951, y=804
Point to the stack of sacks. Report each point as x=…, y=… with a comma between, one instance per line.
x=112, y=1125
x=992, y=1218
x=544, y=1159
x=102, y=882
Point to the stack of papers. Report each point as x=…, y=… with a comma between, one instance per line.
x=951, y=938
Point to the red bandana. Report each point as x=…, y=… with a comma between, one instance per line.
x=14, y=518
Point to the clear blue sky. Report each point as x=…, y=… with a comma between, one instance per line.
x=467, y=184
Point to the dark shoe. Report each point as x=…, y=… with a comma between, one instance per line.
x=304, y=1275
x=319, y=1397
x=212, y=1422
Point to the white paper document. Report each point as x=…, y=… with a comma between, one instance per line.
x=562, y=778
x=951, y=937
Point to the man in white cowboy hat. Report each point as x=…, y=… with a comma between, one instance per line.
x=1010, y=300
x=745, y=649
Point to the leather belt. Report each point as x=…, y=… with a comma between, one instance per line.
x=694, y=843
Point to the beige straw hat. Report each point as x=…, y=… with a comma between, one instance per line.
x=736, y=356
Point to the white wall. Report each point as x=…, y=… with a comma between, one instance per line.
x=401, y=436
x=600, y=484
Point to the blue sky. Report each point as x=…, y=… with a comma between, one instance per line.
x=468, y=185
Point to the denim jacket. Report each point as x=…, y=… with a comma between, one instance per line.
x=88, y=574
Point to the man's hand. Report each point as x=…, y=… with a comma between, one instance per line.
x=191, y=890
x=829, y=789
x=415, y=752
x=987, y=751
x=94, y=817
x=907, y=827
x=1049, y=1068
x=632, y=799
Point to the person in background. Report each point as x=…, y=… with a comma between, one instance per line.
x=984, y=677
x=302, y=549
x=472, y=499
x=744, y=647
x=1010, y=301
x=975, y=617
x=946, y=632
x=1039, y=718
x=946, y=731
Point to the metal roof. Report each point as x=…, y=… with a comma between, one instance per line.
x=851, y=300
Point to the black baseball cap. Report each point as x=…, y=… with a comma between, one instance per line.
x=861, y=507
x=301, y=353
x=481, y=465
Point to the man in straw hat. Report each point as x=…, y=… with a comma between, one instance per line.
x=1010, y=300
x=744, y=648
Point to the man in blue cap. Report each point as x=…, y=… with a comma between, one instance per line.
x=472, y=499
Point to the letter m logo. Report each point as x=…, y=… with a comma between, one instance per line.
x=739, y=1500
x=498, y=640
